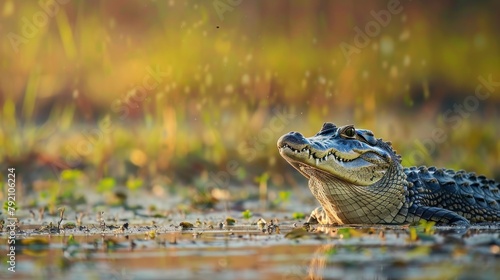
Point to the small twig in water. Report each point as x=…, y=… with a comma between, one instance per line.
x=61, y=218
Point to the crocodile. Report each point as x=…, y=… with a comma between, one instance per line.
x=359, y=179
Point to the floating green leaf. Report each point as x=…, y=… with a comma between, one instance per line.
x=106, y=184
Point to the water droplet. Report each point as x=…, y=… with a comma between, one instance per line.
x=386, y=45
x=405, y=35
x=407, y=60
x=208, y=79
x=365, y=74
x=394, y=71
x=229, y=88
x=245, y=79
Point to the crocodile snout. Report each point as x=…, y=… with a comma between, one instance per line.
x=291, y=138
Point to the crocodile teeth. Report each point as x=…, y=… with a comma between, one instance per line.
x=330, y=154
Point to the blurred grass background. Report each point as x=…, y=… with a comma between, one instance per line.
x=224, y=79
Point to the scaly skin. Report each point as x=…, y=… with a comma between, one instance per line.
x=359, y=179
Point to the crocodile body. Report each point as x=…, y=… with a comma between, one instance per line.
x=359, y=179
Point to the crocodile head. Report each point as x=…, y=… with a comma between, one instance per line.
x=351, y=155
x=356, y=178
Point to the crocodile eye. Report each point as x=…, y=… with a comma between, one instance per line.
x=350, y=132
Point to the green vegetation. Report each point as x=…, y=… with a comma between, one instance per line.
x=298, y=215
x=106, y=185
x=247, y=214
x=283, y=197
x=423, y=231
x=170, y=99
x=230, y=221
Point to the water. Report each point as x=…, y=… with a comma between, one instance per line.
x=158, y=248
